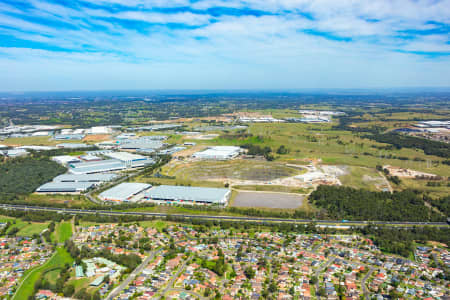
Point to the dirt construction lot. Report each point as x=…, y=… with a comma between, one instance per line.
x=268, y=200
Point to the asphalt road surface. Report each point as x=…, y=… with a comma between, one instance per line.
x=115, y=292
x=363, y=283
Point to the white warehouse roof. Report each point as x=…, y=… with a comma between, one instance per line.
x=123, y=191
x=66, y=159
x=218, y=152
x=108, y=165
x=125, y=156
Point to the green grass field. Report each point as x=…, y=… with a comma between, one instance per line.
x=63, y=231
x=59, y=259
x=5, y=219
x=25, y=228
x=33, y=228
x=52, y=275
x=360, y=177
x=18, y=224
x=79, y=283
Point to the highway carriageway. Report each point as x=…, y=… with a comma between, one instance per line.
x=211, y=217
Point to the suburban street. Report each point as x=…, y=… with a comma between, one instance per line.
x=114, y=293
x=320, y=270
x=363, y=283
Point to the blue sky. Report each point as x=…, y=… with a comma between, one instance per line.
x=223, y=44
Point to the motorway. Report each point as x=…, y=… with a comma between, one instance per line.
x=212, y=217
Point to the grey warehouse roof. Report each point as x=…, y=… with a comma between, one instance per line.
x=61, y=187
x=85, y=177
x=142, y=144
x=186, y=193
x=123, y=191
x=97, y=166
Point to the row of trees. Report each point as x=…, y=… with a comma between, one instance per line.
x=399, y=141
x=253, y=149
x=401, y=241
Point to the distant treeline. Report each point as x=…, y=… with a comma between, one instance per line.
x=358, y=204
x=399, y=141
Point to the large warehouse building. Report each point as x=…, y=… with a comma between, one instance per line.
x=108, y=165
x=188, y=195
x=71, y=183
x=96, y=178
x=123, y=192
x=218, y=153
x=64, y=187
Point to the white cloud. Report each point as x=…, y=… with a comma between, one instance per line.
x=273, y=48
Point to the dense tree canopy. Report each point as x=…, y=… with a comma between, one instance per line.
x=349, y=203
x=24, y=175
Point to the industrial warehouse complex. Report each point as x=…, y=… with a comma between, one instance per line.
x=188, y=195
x=69, y=183
x=166, y=194
x=65, y=187
x=120, y=162
x=93, y=168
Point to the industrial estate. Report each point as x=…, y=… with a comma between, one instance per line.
x=295, y=201
x=225, y=149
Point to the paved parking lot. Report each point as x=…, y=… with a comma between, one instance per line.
x=267, y=199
